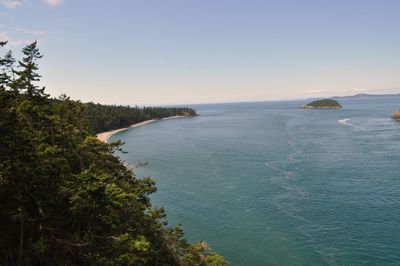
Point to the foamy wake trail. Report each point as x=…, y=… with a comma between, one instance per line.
x=344, y=121
x=347, y=122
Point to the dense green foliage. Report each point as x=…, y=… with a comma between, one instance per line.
x=65, y=199
x=325, y=103
x=107, y=117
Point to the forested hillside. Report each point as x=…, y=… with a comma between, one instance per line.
x=324, y=103
x=107, y=117
x=64, y=198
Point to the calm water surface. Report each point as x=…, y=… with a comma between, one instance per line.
x=273, y=184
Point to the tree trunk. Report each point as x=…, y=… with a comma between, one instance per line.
x=21, y=240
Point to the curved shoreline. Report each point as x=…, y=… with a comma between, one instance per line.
x=104, y=136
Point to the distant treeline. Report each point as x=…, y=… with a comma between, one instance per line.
x=65, y=199
x=108, y=117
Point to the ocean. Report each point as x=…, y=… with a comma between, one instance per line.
x=269, y=183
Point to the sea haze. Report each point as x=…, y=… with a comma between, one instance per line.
x=273, y=184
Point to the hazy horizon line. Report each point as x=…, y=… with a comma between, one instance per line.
x=264, y=100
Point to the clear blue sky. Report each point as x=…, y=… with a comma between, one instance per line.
x=195, y=51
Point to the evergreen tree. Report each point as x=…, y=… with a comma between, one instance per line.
x=27, y=75
x=6, y=64
x=65, y=199
x=9, y=71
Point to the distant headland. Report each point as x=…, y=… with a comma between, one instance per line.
x=323, y=104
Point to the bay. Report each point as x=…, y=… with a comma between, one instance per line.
x=269, y=183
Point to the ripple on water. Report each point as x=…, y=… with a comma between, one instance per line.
x=272, y=184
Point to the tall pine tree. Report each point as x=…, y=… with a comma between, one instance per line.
x=27, y=75
x=5, y=63
x=65, y=199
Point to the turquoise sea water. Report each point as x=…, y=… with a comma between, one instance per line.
x=273, y=184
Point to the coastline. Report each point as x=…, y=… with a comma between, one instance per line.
x=396, y=116
x=104, y=136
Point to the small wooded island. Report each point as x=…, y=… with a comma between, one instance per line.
x=396, y=115
x=323, y=104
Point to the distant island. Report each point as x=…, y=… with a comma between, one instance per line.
x=323, y=104
x=396, y=115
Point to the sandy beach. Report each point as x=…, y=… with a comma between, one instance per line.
x=104, y=136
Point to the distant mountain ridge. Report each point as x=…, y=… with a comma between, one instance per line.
x=365, y=95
